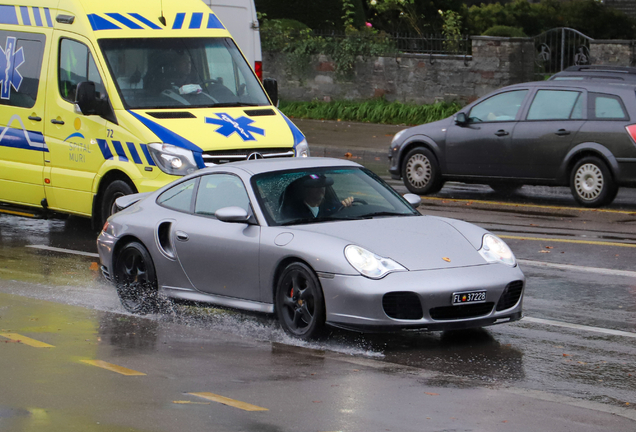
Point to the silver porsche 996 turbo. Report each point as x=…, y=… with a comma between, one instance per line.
x=316, y=241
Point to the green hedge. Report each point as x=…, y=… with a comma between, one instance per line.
x=372, y=111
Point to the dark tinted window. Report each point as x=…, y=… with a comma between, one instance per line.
x=556, y=105
x=501, y=107
x=606, y=107
x=76, y=65
x=178, y=197
x=20, y=67
x=217, y=191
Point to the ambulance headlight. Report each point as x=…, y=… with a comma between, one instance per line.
x=302, y=149
x=172, y=159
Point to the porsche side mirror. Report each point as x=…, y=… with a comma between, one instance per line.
x=461, y=119
x=232, y=214
x=413, y=199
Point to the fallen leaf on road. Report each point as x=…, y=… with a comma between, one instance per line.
x=431, y=394
x=566, y=355
x=544, y=251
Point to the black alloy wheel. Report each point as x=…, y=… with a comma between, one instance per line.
x=114, y=190
x=136, y=280
x=300, y=304
x=421, y=173
x=591, y=183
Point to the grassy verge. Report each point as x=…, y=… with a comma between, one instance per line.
x=373, y=111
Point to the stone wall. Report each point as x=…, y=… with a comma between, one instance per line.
x=495, y=62
x=612, y=52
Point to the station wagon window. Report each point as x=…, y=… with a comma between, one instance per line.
x=607, y=107
x=76, y=64
x=217, y=191
x=556, y=105
x=501, y=107
x=178, y=197
x=24, y=52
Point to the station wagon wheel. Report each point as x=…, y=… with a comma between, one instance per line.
x=591, y=182
x=420, y=172
x=135, y=279
x=299, y=302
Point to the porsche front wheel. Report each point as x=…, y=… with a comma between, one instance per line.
x=300, y=304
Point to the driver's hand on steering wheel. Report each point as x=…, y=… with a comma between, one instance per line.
x=347, y=202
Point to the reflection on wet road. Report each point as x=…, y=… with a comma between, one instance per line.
x=575, y=362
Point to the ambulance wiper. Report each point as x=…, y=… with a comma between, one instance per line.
x=233, y=104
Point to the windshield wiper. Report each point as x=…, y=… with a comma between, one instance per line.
x=233, y=104
x=383, y=213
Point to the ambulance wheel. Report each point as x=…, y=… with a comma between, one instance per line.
x=116, y=189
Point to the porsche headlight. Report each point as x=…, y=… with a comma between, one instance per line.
x=495, y=250
x=172, y=159
x=302, y=149
x=369, y=264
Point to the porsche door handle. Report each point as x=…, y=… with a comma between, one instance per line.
x=562, y=132
x=501, y=132
x=181, y=236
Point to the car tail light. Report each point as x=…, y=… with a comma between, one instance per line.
x=258, y=68
x=631, y=130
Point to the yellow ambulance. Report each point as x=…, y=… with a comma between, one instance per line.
x=100, y=99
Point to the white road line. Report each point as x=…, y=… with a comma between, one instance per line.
x=579, y=327
x=596, y=270
x=68, y=251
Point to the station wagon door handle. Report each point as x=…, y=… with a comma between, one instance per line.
x=562, y=132
x=57, y=122
x=181, y=236
x=501, y=132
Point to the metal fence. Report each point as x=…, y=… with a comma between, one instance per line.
x=380, y=43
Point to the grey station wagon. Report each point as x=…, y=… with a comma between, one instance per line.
x=580, y=134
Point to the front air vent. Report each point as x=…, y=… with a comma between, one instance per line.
x=461, y=311
x=260, y=112
x=172, y=115
x=510, y=296
x=402, y=305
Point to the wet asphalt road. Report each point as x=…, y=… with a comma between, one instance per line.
x=570, y=364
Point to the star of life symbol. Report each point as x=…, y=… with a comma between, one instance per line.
x=10, y=61
x=240, y=125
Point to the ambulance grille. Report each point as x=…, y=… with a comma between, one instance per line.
x=217, y=157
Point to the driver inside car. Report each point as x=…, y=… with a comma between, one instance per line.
x=311, y=197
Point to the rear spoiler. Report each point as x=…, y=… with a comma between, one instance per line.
x=128, y=200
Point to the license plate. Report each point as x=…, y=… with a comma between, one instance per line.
x=469, y=297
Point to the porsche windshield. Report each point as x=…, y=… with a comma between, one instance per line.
x=328, y=194
x=181, y=72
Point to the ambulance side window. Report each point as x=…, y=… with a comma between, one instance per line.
x=76, y=64
x=21, y=59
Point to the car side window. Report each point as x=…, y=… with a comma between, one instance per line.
x=501, y=107
x=217, y=191
x=179, y=197
x=22, y=64
x=556, y=105
x=607, y=107
x=76, y=64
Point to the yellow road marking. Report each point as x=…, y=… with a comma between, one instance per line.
x=558, y=240
x=25, y=340
x=529, y=205
x=191, y=403
x=229, y=402
x=17, y=213
x=113, y=368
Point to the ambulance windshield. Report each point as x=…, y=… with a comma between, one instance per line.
x=181, y=72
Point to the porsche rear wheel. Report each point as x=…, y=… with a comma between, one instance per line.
x=136, y=280
x=300, y=303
